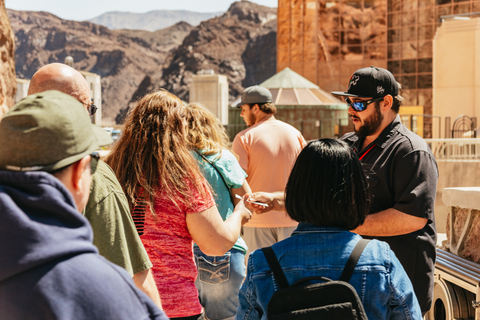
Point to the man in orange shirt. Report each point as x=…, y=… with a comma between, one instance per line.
x=267, y=150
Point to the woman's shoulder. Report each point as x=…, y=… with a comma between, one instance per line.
x=377, y=253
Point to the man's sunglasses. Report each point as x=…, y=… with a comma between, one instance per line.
x=361, y=105
x=91, y=108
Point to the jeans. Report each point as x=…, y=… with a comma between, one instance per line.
x=218, y=282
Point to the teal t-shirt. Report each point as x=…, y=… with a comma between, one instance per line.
x=234, y=177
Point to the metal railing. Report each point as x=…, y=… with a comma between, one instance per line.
x=455, y=149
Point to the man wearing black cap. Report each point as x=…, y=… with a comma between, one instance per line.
x=49, y=268
x=267, y=150
x=402, y=175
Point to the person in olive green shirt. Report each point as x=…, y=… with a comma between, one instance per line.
x=107, y=210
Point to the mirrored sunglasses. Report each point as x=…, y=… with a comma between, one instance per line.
x=361, y=105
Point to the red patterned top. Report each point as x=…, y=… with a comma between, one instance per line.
x=169, y=246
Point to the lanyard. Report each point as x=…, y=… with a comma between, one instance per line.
x=363, y=155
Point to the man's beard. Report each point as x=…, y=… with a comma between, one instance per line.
x=251, y=121
x=371, y=124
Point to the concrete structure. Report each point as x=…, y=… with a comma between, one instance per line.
x=95, y=84
x=211, y=90
x=456, y=68
x=315, y=112
x=326, y=41
x=22, y=89
x=456, y=293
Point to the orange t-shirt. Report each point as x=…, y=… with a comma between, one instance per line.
x=267, y=152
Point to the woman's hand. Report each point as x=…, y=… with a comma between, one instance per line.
x=241, y=209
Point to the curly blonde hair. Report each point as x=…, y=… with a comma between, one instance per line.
x=152, y=153
x=205, y=133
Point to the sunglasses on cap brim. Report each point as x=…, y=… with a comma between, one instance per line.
x=361, y=105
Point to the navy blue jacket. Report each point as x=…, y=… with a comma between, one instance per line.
x=49, y=268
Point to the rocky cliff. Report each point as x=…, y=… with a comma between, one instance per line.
x=7, y=62
x=121, y=57
x=239, y=44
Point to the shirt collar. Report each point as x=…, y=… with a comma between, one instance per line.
x=382, y=139
x=388, y=132
x=305, y=227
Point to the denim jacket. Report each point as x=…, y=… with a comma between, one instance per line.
x=379, y=278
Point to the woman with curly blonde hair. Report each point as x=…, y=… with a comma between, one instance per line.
x=218, y=290
x=153, y=163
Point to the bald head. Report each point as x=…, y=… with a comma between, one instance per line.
x=59, y=76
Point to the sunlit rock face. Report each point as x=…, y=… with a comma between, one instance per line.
x=7, y=62
x=121, y=57
x=240, y=44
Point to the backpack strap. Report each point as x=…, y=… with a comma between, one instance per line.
x=346, y=274
x=275, y=266
x=353, y=259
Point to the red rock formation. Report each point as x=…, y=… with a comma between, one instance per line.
x=121, y=57
x=7, y=62
x=240, y=44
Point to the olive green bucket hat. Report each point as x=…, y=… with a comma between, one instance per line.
x=47, y=131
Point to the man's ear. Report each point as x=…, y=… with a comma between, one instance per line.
x=78, y=172
x=387, y=102
x=255, y=109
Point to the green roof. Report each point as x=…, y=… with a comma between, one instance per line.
x=287, y=79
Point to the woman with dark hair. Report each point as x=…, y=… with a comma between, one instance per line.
x=153, y=163
x=327, y=194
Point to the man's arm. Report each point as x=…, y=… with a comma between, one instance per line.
x=144, y=281
x=390, y=222
x=275, y=201
x=239, y=149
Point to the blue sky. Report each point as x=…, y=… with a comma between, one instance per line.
x=87, y=9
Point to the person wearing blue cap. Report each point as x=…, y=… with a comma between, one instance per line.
x=402, y=176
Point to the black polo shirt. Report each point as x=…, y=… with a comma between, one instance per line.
x=402, y=174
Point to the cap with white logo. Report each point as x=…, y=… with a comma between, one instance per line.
x=370, y=82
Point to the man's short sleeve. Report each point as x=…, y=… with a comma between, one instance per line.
x=114, y=233
x=415, y=184
x=240, y=150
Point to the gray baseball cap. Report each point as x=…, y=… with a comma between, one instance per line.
x=47, y=131
x=255, y=94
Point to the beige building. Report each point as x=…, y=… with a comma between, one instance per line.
x=211, y=90
x=95, y=84
x=456, y=69
x=327, y=40
x=22, y=89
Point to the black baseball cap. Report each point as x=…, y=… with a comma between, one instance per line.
x=371, y=82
